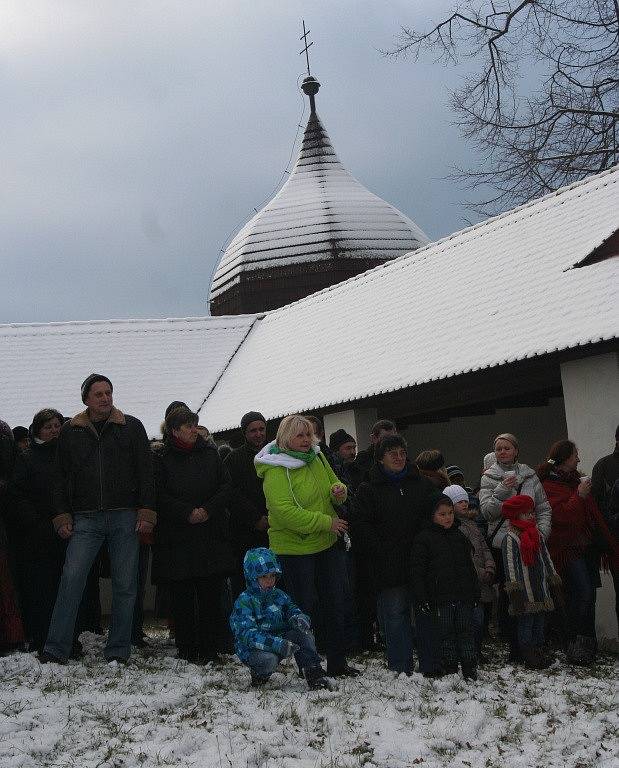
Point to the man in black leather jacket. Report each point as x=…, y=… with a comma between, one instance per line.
x=103, y=494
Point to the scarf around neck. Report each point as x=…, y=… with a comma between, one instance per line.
x=306, y=458
x=529, y=539
x=394, y=477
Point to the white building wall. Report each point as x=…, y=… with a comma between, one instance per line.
x=591, y=393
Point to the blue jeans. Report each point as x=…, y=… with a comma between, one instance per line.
x=320, y=581
x=394, y=614
x=530, y=629
x=264, y=663
x=90, y=531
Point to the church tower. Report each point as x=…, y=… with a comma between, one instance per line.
x=322, y=227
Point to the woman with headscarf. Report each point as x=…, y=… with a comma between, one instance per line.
x=302, y=493
x=192, y=545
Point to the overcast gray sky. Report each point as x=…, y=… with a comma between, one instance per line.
x=137, y=136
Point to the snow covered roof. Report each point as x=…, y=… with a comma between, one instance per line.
x=150, y=363
x=495, y=293
x=321, y=212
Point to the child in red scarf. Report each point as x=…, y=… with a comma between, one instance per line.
x=530, y=578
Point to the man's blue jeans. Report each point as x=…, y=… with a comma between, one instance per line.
x=394, y=615
x=264, y=663
x=91, y=530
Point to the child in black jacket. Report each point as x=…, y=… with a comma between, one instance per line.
x=445, y=589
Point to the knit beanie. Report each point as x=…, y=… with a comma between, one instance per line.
x=453, y=471
x=249, y=417
x=90, y=380
x=456, y=493
x=173, y=406
x=339, y=438
x=515, y=506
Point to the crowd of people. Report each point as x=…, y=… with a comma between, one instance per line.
x=295, y=547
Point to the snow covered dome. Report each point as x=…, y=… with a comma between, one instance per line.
x=322, y=227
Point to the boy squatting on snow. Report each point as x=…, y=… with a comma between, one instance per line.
x=267, y=625
x=531, y=581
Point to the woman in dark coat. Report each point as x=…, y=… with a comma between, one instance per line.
x=390, y=509
x=11, y=628
x=41, y=550
x=192, y=546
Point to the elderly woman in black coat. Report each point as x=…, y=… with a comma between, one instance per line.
x=390, y=509
x=192, y=547
x=41, y=551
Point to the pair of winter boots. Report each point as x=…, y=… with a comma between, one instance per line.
x=469, y=671
x=536, y=657
x=315, y=677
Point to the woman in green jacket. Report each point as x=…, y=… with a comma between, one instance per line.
x=301, y=492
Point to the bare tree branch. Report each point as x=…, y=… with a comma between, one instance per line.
x=543, y=109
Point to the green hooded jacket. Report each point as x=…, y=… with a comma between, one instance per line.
x=299, y=501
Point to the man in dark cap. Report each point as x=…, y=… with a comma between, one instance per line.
x=248, y=510
x=364, y=460
x=104, y=494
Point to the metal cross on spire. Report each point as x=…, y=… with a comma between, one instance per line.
x=307, y=47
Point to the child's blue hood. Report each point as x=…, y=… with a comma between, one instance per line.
x=259, y=562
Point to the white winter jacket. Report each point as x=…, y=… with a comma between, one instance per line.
x=492, y=494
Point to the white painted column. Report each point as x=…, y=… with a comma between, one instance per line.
x=591, y=397
x=357, y=422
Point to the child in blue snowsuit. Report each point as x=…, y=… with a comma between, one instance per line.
x=268, y=627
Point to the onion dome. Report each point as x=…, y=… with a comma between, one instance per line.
x=322, y=227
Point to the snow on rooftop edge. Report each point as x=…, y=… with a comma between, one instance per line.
x=150, y=362
x=546, y=236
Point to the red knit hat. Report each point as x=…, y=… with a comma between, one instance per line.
x=516, y=506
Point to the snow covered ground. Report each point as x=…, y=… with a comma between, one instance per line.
x=162, y=712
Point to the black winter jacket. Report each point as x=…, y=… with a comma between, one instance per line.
x=247, y=502
x=112, y=470
x=185, y=481
x=603, y=477
x=442, y=569
x=32, y=494
x=387, y=515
